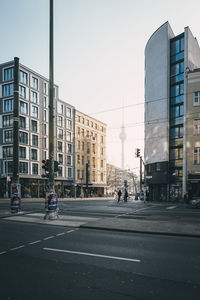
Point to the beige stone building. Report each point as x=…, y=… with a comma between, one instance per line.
x=193, y=133
x=90, y=155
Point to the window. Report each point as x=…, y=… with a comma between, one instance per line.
x=59, y=121
x=88, y=123
x=176, y=132
x=23, y=107
x=93, y=162
x=22, y=122
x=8, y=90
x=196, y=98
x=60, y=171
x=23, y=77
x=95, y=126
x=68, y=112
x=68, y=136
x=44, y=128
x=93, y=176
x=69, y=124
x=177, y=90
x=8, y=136
x=35, y=140
x=8, y=105
x=9, y=165
x=22, y=92
x=78, y=159
x=69, y=160
x=34, y=154
x=101, y=151
x=35, y=169
x=44, y=115
x=101, y=163
x=34, y=125
x=93, y=148
x=9, y=74
x=78, y=130
x=8, y=121
x=60, y=158
x=196, y=127
x=69, y=148
x=23, y=167
x=44, y=143
x=78, y=174
x=196, y=156
x=34, y=83
x=34, y=111
x=83, y=145
x=59, y=147
x=34, y=97
x=7, y=152
x=79, y=119
x=101, y=176
x=45, y=88
x=88, y=148
x=69, y=172
x=23, y=137
x=82, y=160
x=83, y=120
x=176, y=111
x=82, y=132
x=60, y=133
x=102, y=140
x=44, y=101
x=22, y=152
x=79, y=145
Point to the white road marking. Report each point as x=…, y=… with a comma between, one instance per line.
x=93, y=254
x=59, y=234
x=48, y=237
x=16, y=248
x=35, y=242
x=171, y=207
x=70, y=231
x=3, y=252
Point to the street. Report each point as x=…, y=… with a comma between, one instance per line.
x=46, y=261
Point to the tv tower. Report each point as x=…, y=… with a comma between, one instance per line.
x=122, y=137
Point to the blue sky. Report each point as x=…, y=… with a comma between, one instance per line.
x=98, y=54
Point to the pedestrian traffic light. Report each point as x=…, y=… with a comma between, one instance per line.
x=56, y=164
x=137, y=152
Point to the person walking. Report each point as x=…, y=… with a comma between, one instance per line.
x=119, y=195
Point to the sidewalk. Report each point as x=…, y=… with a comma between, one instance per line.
x=175, y=228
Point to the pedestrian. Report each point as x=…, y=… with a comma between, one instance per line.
x=119, y=195
x=125, y=196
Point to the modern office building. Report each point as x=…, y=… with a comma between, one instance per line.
x=169, y=60
x=90, y=154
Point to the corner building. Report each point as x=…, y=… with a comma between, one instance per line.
x=169, y=60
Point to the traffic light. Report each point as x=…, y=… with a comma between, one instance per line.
x=45, y=165
x=56, y=164
x=137, y=152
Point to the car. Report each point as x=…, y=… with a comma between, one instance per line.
x=195, y=203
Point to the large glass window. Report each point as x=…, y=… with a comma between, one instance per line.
x=34, y=140
x=34, y=97
x=22, y=122
x=34, y=125
x=176, y=111
x=59, y=121
x=7, y=121
x=68, y=112
x=59, y=146
x=69, y=124
x=60, y=133
x=34, y=83
x=69, y=160
x=69, y=172
x=34, y=111
x=7, y=90
x=69, y=148
x=197, y=98
x=22, y=152
x=23, y=137
x=68, y=136
x=22, y=92
x=23, y=167
x=7, y=152
x=60, y=158
x=9, y=74
x=23, y=77
x=196, y=156
x=23, y=107
x=196, y=127
x=34, y=154
x=8, y=136
x=8, y=105
x=35, y=169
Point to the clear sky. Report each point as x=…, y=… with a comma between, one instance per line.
x=98, y=55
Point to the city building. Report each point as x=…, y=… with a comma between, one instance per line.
x=170, y=152
x=90, y=154
x=33, y=133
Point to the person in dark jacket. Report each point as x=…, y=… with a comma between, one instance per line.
x=119, y=195
x=125, y=196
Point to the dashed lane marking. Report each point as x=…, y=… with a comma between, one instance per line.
x=171, y=207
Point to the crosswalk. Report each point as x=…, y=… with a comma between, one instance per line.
x=71, y=221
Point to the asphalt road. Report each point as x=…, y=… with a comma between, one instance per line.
x=54, y=262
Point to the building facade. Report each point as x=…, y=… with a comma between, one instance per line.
x=168, y=61
x=90, y=155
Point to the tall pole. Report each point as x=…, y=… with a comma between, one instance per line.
x=140, y=174
x=51, y=103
